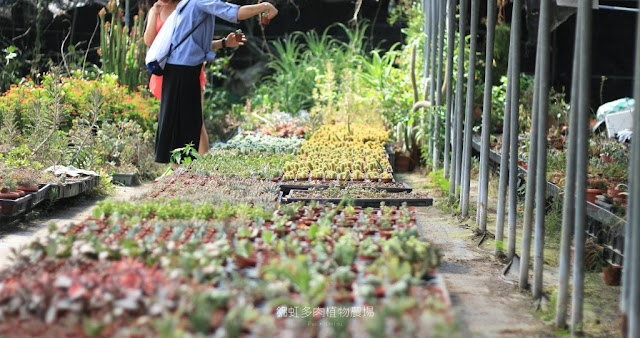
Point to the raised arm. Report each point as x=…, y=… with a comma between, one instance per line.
x=150, y=30
x=249, y=11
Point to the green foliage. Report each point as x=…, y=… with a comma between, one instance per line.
x=123, y=51
x=185, y=155
x=10, y=70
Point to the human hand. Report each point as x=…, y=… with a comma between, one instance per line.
x=159, y=5
x=270, y=10
x=233, y=42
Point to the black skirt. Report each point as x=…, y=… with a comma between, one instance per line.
x=180, y=118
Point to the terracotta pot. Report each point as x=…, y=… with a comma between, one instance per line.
x=246, y=262
x=386, y=233
x=265, y=19
x=611, y=274
x=402, y=163
x=344, y=286
x=238, y=37
x=613, y=192
x=367, y=258
x=606, y=159
x=32, y=188
x=386, y=180
x=592, y=193
x=9, y=195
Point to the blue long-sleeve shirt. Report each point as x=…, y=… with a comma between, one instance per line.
x=197, y=48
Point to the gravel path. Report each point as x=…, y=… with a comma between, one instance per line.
x=67, y=211
x=485, y=305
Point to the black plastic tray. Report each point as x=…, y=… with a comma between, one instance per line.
x=363, y=202
x=127, y=180
x=40, y=195
x=74, y=187
x=286, y=188
x=14, y=208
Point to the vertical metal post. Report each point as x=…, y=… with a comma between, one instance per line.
x=568, y=204
x=632, y=277
x=451, y=9
x=584, y=24
x=468, y=128
x=504, y=160
x=426, y=4
x=541, y=170
x=530, y=192
x=434, y=83
x=483, y=187
x=127, y=13
x=460, y=96
x=630, y=228
x=516, y=29
x=436, y=148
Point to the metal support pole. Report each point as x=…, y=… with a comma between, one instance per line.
x=584, y=20
x=568, y=204
x=427, y=51
x=516, y=29
x=541, y=170
x=632, y=277
x=451, y=9
x=483, y=187
x=437, y=128
x=530, y=192
x=504, y=160
x=460, y=97
x=434, y=83
x=468, y=128
x=634, y=168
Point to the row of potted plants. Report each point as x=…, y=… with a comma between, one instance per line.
x=234, y=163
x=353, y=192
x=247, y=144
x=323, y=259
x=194, y=188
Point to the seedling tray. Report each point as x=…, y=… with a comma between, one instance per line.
x=287, y=187
x=10, y=209
x=74, y=187
x=127, y=180
x=363, y=202
x=40, y=195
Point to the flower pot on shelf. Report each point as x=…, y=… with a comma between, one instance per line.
x=592, y=193
x=611, y=274
x=403, y=163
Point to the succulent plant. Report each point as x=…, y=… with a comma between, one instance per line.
x=357, y=175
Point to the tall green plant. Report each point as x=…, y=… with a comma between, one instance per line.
x=122, y=50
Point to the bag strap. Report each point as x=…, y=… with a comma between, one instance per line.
x=171, y=49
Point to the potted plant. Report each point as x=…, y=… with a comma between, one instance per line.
x=357, y=176
x=302, y=175
x=288, y=176
x=317, y=175
x=386, y=177
x=372, y=176
x=368, y=251
x=239, y=35
x=331, y=175
x=245, y=256
x=344, y=252
x=344, y=278
x=596, y=187
x=344, y=176
x=611, y=274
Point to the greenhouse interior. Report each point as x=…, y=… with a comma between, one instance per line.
x=319, y=168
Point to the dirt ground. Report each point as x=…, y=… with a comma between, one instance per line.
x=488, y=304
x=75, y=209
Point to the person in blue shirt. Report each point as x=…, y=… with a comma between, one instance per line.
x=180, y=118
